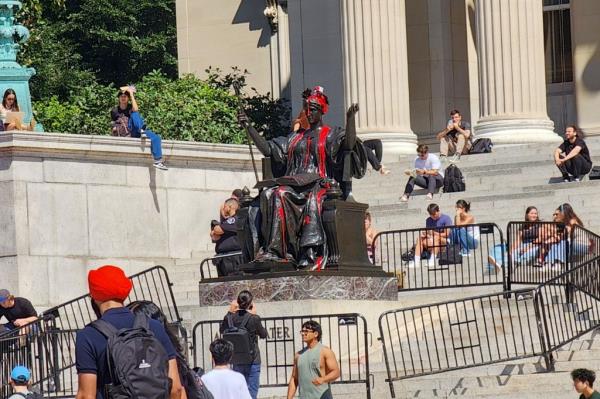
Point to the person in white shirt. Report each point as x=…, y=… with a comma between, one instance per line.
x=427, y=174
x=221, y=381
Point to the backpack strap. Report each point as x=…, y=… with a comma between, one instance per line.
x=245, y=319
x=141, y=321
x=105, y=328
x=230, y=320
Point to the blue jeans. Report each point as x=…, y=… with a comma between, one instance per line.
x=155, y=144
x=251, y=373
x=461, y=236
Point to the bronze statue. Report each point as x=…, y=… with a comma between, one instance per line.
x=307, y=164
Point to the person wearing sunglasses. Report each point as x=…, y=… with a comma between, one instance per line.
x=315, y=366
x=427, y=173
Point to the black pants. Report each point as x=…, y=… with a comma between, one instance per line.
x=228, y=265
x=374, y=152
x=578, y=166
x=428, y=182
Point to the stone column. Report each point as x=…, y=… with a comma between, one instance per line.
x=280, y=52
x=512, y=85
x=585, y=31
x=376, y=72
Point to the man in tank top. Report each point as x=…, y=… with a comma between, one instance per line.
x=315, y=366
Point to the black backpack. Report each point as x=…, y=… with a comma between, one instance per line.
x=137, y=362
x=243, y=347
x=481, y=146
x=453, y=180
x=450, y=255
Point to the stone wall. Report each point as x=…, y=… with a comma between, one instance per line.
x=69, y=203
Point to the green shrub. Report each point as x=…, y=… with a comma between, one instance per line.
x=186, y=109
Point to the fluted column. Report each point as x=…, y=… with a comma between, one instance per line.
x=376, y=71
x=512, y=85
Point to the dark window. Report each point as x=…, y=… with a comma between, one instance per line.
x=557, y=41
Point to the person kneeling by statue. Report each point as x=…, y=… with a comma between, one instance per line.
x=306, y=165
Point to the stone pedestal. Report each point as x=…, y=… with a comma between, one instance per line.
x=512, y=87
x=376, y=72
x=300, y=285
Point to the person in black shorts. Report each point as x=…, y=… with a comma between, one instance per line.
x=572, y=157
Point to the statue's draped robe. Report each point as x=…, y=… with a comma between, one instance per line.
x=291, y=207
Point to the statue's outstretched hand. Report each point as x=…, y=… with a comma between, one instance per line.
x=243, y=119
x=352, y=110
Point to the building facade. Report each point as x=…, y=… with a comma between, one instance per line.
x=519, y=70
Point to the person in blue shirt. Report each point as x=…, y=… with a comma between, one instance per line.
x=433, y=237
x=109, y=287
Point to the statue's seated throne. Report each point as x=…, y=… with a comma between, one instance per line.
x=343, y=222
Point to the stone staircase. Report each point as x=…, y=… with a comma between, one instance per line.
x=500, y=185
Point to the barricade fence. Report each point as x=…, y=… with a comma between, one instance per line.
x=570, y=304
x=536, y=252
x=345, y=334
x=453, y=256
x=458, y=334
x=493, y=328
x=47, y=346
x=209, y=267
x=47, y=352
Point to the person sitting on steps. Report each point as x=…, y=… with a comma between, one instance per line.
x=432, y=239
x=572, y=157
x=455, y=138
x=466, y=237
x=427, y=174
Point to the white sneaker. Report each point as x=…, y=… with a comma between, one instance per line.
x=160, y=165
x=431, y=262
x=404, y=198
x=411, y=264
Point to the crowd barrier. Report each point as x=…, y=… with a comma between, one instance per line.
x=47, y=346
x=345, y=334
x=455, y=256
x=208, y=267
x=476, y=331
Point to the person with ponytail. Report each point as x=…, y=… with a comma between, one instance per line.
x=467, y=237
x=240, y=310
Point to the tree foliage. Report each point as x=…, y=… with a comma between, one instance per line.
x=84, y=49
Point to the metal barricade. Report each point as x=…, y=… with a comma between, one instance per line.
x=536, y=252
x=458, y=334
x=47, y=346
x=441, y=257
x=208, y=268
x=567, y=314
x=345, y=334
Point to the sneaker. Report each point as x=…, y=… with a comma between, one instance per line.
x=431, y=262
x=411, y=264
x=429, y=197
x=160, y=165
x=404, y=198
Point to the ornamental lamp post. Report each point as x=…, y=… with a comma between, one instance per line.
x=12, y=75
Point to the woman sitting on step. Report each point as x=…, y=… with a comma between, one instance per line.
x=467, y=237
x=556, y=256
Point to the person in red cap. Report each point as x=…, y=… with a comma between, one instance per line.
x=109, y=288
